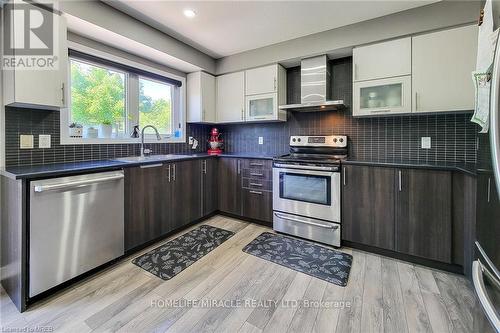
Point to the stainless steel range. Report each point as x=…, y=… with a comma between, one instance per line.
x=306, y=187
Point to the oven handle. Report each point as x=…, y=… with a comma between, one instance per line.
x=334, y=227
x=308, y=167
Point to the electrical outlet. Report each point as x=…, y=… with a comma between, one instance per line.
x=261, y=140
x=26, y=141
x=44, y=141
x=426, y=142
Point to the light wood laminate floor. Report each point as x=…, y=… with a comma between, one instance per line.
x=383, y=295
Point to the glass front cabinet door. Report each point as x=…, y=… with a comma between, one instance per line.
x=381, y=97
x=262, y=107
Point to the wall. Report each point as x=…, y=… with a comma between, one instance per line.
x=431, y=17
x=383, y=139
x=27, y=121
x=122, y=54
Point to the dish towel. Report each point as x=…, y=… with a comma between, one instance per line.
x=487, y=41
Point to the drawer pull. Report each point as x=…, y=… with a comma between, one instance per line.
x=256, y=174
x=255, y=184
x=256, y=192
x=256, y=164
x=147, y=166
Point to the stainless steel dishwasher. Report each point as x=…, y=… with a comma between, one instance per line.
x=75, y=224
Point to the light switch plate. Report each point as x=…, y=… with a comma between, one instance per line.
x=26, y=141
x=261, y=140
x=426, y=142
x=44, y=141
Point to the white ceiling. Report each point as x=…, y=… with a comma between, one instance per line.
x=223, y=28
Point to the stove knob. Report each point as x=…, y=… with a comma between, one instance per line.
x=341, y=140
x=294, y=139
x=298, y=139
x=334, y=139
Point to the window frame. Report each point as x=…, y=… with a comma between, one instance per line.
x=131, y=102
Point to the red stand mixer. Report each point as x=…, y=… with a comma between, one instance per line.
x=215, y=142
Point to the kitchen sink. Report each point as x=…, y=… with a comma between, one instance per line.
x=135, y=159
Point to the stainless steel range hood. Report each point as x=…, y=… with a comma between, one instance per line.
x=314, y=87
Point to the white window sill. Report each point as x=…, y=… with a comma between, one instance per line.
x=117, y=141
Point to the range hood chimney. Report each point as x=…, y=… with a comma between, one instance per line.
x=314, y=87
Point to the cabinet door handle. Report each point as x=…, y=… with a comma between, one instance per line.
x=169, y=173
x=205, y=167
x=489, y=189
x=255, y=184
x=275, y=84
x=62, y=94
x=416, y=101
x=239, y=167
x=256, y=164
x=345, y=176
x=256, y=192
x=173, y=172
x=400, y=185
x=242, y=114
x=355, y=71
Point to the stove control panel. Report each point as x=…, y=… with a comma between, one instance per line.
x=338, y=141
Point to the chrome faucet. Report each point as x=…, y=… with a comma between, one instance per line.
x=142, y=139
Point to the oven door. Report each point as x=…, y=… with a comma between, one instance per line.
x=310, y=193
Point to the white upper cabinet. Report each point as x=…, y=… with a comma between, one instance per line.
x=39, y=88
x=201, y=98
x=261, y=80
x=230, y=102
x=442, y=64
x=382, y=60
x=265, y=90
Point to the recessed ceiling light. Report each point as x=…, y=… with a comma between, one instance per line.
x=189, y=13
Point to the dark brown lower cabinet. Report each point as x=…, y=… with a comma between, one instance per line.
x=146, y=214
x=186, y=205
x=368, y=206
x=229, y=180
x=257, y=205
x=209, y=186
x=424, y=213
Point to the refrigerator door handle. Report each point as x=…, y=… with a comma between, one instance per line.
x=477, y=278
x=494, y=117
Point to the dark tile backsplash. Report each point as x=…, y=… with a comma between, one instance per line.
x=26, y=121
x=389, y=139
x=383, y=139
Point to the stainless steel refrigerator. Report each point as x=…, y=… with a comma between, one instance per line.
x=485, y=268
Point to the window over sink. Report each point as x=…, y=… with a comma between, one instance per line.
x=108, y=99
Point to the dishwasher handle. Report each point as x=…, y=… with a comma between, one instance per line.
x=78, y=183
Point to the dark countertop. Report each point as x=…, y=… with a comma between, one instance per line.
x=62, y=169
x=469, y=168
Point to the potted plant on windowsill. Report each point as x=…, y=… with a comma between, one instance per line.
x=106, y=129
